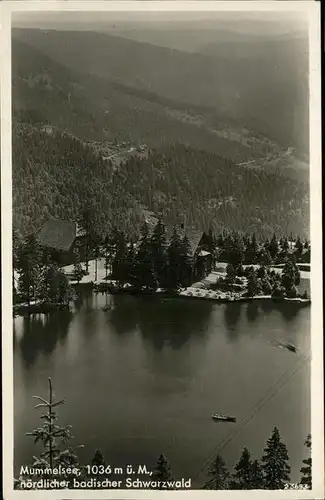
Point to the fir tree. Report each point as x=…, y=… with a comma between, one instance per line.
x=56, y=287
x=162, y=470
x=219, y=475
x=50, y=434
x=145, y=276
x=185, y=263
x=251, y=251
x=264, y=257
x=29, y=267
x=275, y=467
x=77, y=268
x=273, y=247
x=299, y=246
x=118, y=265
x=290, y=278
x=252, y=284
x=174, y=259
x=307, y=468
x=257, y=479
x=158, y=251
x=241, y=479
x=231, y=273
x=98, y=459
x=285, y=245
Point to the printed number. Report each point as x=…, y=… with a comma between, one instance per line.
x=99, y=469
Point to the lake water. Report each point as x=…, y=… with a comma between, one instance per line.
x=146, y=376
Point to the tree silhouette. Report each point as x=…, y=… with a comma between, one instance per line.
x=306, y=469
x=219, y=475
x=241, y=479
x=162, y=470
x=276, y=469
x=50, y=434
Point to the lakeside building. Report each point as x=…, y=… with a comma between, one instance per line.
x=63, y=239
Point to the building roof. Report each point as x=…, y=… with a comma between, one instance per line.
x=57, y=234
x=204, y=253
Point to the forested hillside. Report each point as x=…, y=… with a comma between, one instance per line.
x=57, y=175
x=46, y=92
x=264, y=87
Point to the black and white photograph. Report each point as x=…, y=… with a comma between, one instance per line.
x=162, y=175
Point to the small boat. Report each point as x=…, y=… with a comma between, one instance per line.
x=223, y=418
x=288, y=346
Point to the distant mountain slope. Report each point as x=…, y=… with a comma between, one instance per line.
x=57, y=175
x=47, y=92
x=266, y=91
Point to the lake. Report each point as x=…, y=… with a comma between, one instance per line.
x=146, y=376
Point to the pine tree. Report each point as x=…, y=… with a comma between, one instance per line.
x=50, y=434
x=290, y=278
x=174, y=262
x=98, y=458
x=306, y=470
x=219, y=475
x=299, y=246
x=119, y=272
x=241, y=479
x=158, y=252
x=145, y=276
x=273, y=247
x=251, y=251
x=162, y=470
x=55, y=285
x=257, y=479
x=231, y=273
x=275, y=467
x=285, y=245
x=185, y=263
x=264, y=257
x=77, y=268
x=234, y=249
x=252, y=284
x=29, y=267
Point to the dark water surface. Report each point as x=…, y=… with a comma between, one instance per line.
x=146, y=376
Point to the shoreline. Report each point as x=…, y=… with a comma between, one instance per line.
x=190, y=294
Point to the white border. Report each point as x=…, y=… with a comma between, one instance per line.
x=312, y=11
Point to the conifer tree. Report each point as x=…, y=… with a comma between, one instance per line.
x=264, y=257
x=299, y=246
x=231, y=273
x=118, y=264
x=145, y=276
x=29, y=267
x=185, y=263
x=307, y=468
x=273, y=247
x=241, y=479
x=174, y=259
x=251, y=250
x=158, y=251
x=290, y=278
x=257, y=479
x=77, y=268
x=162, y=471
x=274, y=463
x=252, y=284
x=98, y=458
x=285, y=245
x=219, y=475
x=50, y=434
